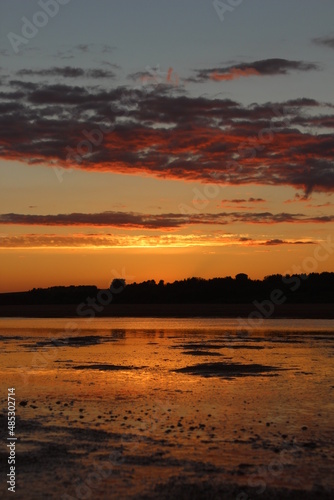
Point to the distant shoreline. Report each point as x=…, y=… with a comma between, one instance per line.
x=293, y=311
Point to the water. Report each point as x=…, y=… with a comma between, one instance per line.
x=123, y=408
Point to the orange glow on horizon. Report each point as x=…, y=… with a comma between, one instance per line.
x=24, y=269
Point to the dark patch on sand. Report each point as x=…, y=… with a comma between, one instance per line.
x=202, y=353
x=183, y=488
x=285, y=341
x=222, y=369
x=194, y=345
x=162, y=459
x=107, y=367
x=87, y=340
x=16, y=337
x=243, y=346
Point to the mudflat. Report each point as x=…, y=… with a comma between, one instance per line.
x=170, y=408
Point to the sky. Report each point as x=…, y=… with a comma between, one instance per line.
x=164, y=139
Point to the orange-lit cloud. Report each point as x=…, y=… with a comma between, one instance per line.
x=138, y=241
x=168, y=136
x=233, y=74
x=262, y=67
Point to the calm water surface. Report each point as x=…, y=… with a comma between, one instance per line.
x=113, y=408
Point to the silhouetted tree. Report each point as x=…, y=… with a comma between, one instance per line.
x=241, y=277
x=117, y=285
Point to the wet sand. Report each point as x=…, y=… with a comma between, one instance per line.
x=127, y=410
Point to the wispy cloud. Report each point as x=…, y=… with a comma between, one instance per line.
x=84, y=49
x=67, y=72
x=241, y=202
x=276, y=242
x=168, y=221
x=167, y=240
x=327, y=41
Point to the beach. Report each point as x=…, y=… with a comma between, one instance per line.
x=170, y=408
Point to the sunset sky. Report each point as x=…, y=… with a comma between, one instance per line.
x=164, y=139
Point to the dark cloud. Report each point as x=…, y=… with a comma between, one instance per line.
x=108, y=49
x=11, y=96
x=168, y=134
x=244, y=200
x=84, y=48
x=67, y=72
x=320, y=205
x=303, y=101
x=283, y=242
x=167, y=221
x=139, y=75
x=99, y=73
x=242, y=203
x=273, y=242
x=327, y=41
x=262, y=67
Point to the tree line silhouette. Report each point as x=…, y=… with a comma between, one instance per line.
x=296, y=288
